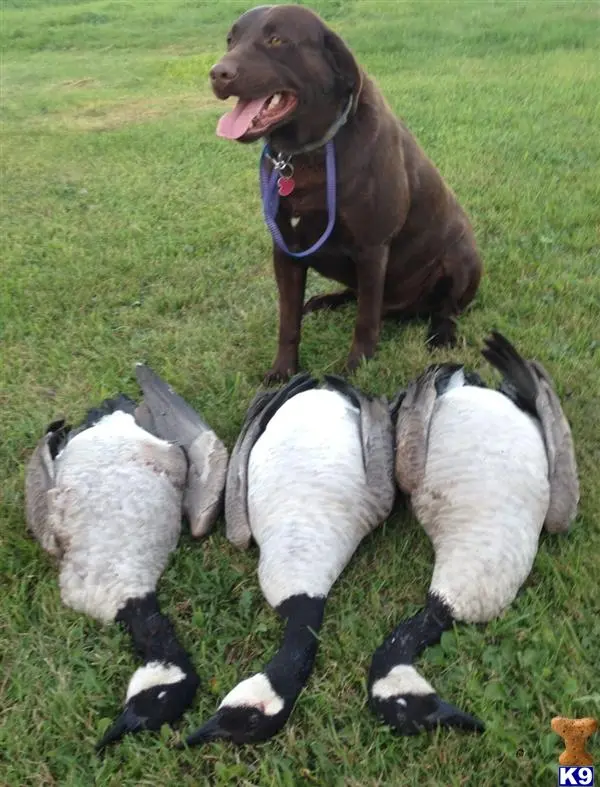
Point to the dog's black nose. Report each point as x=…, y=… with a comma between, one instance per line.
x=223, y=73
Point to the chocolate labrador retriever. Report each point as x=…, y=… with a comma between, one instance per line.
x=401, y=243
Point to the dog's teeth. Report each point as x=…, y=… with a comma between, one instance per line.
x=275, y=100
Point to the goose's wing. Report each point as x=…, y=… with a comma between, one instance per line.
x=143, y=417
x=530, y=386
x=413, y=409
x=164, y=413
x=377, y=439
x=262, y=408
x=564, y=480
x=39, y=484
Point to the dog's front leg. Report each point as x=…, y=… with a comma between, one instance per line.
x=371, y=266
x=291, y=283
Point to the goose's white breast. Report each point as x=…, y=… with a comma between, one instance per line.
x=116, y=510
x=308, y=502
x=483, y=499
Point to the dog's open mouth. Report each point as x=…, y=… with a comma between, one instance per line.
x=255, y=118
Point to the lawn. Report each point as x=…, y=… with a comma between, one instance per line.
x=131, y=232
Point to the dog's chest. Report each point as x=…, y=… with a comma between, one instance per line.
x=302, y=218
x=302, y=229
x=309, y=193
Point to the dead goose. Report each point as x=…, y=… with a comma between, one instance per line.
x=106, y=499
x=310, y=476
x=485, y=471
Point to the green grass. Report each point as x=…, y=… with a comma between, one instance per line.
x=130, y=232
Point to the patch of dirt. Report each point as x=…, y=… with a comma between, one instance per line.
x=77, y=83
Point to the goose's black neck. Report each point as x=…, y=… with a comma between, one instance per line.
x=406, y=643
x=290, y=667
x=152, y=633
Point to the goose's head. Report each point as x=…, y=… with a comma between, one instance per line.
x=409, y=704
x=252, y=712
x=158, y=693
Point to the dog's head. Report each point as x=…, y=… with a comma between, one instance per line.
x=291, y=74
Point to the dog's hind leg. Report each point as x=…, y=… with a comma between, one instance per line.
x=452, y=293
x=330, y=300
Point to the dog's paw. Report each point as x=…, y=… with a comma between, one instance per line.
x=438, y=341
x=356, y=358
x=442, y=333
x=277, y=374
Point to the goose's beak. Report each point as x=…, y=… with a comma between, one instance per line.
x=447, y=715
x=128, y=721
x=210, y=731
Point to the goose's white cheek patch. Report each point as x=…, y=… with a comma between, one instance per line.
x=155, y=673
x=401, y=679
x=255, y=692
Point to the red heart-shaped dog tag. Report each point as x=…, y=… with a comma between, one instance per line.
x=285, y=186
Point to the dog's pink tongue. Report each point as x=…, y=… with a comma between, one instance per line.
x=235, y=123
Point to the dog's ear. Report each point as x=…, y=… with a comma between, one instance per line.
x=348, y=74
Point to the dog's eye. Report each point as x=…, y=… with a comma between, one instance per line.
x=229, y=39
x=274, y=41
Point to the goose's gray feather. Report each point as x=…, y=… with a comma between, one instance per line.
x=173, y=419
x=143, y=418
x=261, y=410
x=39, y=481
x=376, y=434
x=532, y=388
x=564, y=481
x=164, y=413
x=412, y=429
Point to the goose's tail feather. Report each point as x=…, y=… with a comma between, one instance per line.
x=119, y=402
x=519, y=382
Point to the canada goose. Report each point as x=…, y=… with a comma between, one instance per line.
x=310, y=476
x=485, y=471
x=106, y=500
